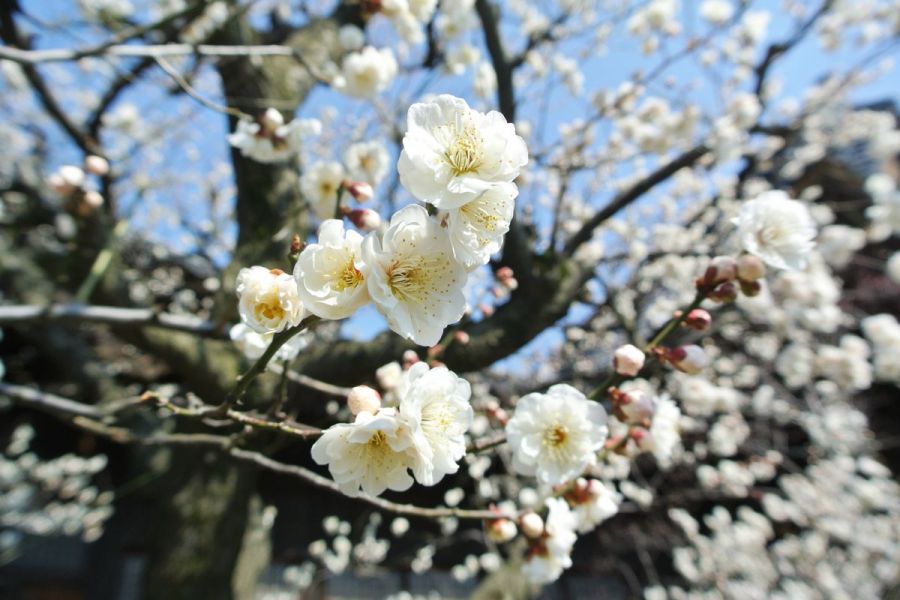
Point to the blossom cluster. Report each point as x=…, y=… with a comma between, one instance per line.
x=458, y=160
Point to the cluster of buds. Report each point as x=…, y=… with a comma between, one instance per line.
x=362, y=398
x=725, y=275
x=70, y=182
x=634, y=407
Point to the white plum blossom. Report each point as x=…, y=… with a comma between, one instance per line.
x=593, y=502
x=413, y=278
x=477, y=227
x=268, y=139
x=268, y=300
x=777, y=229
x=555, y=436
x=319, y=186
x=372, y=454
x=329, y=272
x=716, y=12
x=452, y=153
x=366, y=73
x=551, y=555
x=367, y=161
x=664, y=434
x=435, y=404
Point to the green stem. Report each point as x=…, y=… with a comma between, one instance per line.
x=278, y=340
x=101, y=264
x=614, y=379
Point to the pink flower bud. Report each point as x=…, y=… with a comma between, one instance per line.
x=504, y=273
x=461, y=337
x=510, y=283
x=689, y=359
x=640, y=406
x=93, y=199
x=698, y=319
x=486, y=309
x=410, y=357
x=360, y=190
x=727, y=292
x=628, y=360
x=500, y=530
x=750, y=268
x=66, y=180
x=532, y=525
x=720, y=270
x=362, y=398
x=269, y=121
x=97, y=165
x=365, y=219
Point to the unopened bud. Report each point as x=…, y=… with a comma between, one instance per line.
x=500, y=530
x=486, y=310
x=721, y=269
x=532, y=525
x=362, y=398
x=689, y=359
x=461, y=337
x=270, y=120
x=365, y=219
x=93, y=199
x=504, y=273
x=410, y=357
x=96, y=165
x=510, y=283
x=750, y=268
x=698, y=319
x=751, y=288
x=360, y=190
x=639, y=407
x=66, y=180
x=727, y=292
x=628, y=360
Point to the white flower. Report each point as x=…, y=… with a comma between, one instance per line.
x=367, y=72
x=556, y=435
x=551, y=555
x=777, y=229
x=253, y=344
x=389, y=376
x=319, y=185
x=268, y=300
x=413, y=278
x=477, y=227
x=664, y=434
x=592, y=503
x=374, y=453
x=328, y=273
x=451, y=153
x=66, y=179
x=367, y=161
x=716, y=12
x=435, y=405
x=268, y=139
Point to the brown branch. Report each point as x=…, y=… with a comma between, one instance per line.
x=111, y=315
x=628, y=196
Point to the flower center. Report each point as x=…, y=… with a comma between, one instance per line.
x=556, y=436
x=377, y=440
x=464, y=154
x=477, y=211
x=412, y=277
x=348, y=277
x=269, y=311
